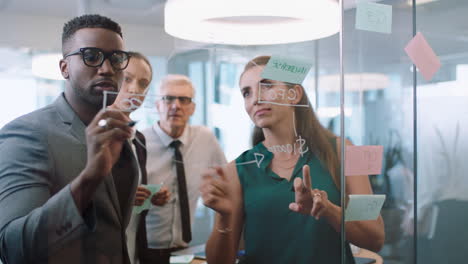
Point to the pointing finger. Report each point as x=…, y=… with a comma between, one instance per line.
x=306, y=176
x=294, y=207
x=298, y=187
x=221, y=173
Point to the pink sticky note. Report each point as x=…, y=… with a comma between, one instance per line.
x=423, y=56
x=363, y=160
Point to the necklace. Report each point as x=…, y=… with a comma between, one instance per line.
x=292, y=156
x=288, y=159
x=286, y=168
x=277, y=162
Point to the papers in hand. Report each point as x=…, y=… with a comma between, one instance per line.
x=153, y=188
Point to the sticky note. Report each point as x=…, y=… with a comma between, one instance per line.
x=423, y=56
x=153, y=188
x=363, y=160
x=285, y=69
x=364, y=207
x=183, y=259
x=374, y=17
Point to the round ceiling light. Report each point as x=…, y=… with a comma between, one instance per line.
x=251, y=22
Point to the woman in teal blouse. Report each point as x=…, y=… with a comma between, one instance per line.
x=284, y=192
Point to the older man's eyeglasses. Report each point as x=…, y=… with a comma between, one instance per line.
x=170, y=99
x=95, y=57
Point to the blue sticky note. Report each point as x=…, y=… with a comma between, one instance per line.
x=374, y=17
x=153, y=188
x=286, y=70
x=364, y=207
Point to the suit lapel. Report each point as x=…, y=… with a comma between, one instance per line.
x=131, y=198
x=77, y=128
x=124, y=217
x=110, y=187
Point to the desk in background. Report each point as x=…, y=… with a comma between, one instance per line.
x=363, y=253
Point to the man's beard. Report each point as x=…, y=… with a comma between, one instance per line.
x=96, y=98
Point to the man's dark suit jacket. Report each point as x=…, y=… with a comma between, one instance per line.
x=41, y=153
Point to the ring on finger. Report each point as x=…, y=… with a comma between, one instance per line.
x=102, y=123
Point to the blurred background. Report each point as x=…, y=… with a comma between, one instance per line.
x=419, y=123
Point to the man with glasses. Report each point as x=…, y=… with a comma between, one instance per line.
x=177, y=155
x=67, y=174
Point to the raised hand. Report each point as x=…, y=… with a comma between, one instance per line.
x=161, y=198
x=105, y=136
x=104, y=142
x=308, y=201
x=141, y=195
x=215, y=191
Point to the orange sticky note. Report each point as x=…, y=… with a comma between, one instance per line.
x=363, y=160
x=423, y=56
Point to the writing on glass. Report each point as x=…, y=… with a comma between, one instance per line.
x=374, y=17
x=286, y=69
x=299, y=147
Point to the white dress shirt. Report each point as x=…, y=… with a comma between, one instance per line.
x=200, y=150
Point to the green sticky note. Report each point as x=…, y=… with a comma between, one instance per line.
x=183, y=259
x=364, y=207
x=374, y=17
x=153, y=188
x=286, y=70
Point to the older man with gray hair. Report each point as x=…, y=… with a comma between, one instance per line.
x=178, y=153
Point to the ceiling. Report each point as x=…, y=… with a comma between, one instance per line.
x=29, y=23
x=144, y=12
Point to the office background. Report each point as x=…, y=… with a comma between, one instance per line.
x=421, y=124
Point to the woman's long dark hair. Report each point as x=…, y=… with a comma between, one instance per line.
x=317, y=138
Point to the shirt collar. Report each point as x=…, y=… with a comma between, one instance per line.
x=166, y=139
x=268, y=157
x=132, y=137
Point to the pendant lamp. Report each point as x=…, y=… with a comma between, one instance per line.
x=251, y=22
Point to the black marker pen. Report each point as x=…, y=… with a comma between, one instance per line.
x=132, y=123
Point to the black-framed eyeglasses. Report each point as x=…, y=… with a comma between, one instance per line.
x=170, y=99
x=95, y=57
